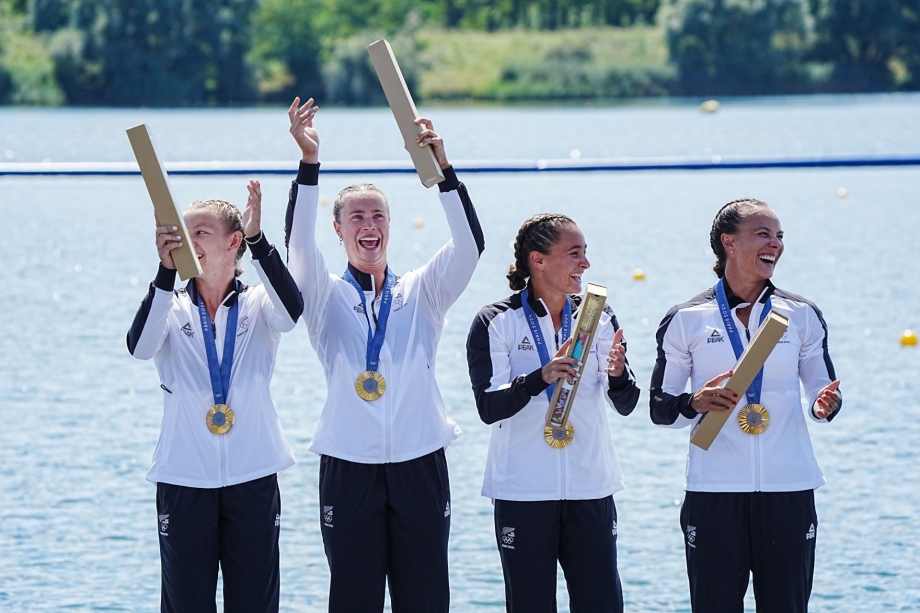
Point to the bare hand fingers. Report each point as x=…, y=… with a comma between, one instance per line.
x=715, y=381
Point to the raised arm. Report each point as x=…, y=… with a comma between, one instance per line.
x=305, y=261
x=285, y=304
x=150, y=327
x=447, y=274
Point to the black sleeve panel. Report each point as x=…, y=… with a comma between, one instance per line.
x=499, y=404
x=451, y=183
x=623, y=391
x=280, y=278
x=165, y=279
x=307, y=174
x=140, y=318
x=664, y=408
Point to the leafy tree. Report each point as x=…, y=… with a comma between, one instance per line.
x=868, y=42
x=287, y=49
x=739, y=47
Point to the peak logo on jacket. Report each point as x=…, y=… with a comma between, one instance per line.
x=187, y=330
x=526, y=345
x=715, y=337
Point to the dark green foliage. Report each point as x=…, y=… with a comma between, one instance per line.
x=869, y=42
x=575, y=74
x=739, y=47
x=287, y=50
x=350, y=77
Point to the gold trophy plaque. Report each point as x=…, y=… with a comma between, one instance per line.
x=749, y=364
x=403, y=107
x=164, y=202
x=558, y=431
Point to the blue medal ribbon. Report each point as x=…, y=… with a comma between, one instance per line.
x=375, y=339
x=220, y=371
x=534, y=323
x=753, y=392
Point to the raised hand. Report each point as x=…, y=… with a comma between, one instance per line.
x=252, y=215
x=616, y=358
x=429, y=138
x=302, y=129
x=560, y=366
x=167, y=240
x=828, y=400
x=712, y=397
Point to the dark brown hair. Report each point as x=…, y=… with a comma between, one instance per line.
x=539, y=233
x=727, y=221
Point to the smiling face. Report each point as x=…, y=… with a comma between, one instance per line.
x=364, y=227
x=559, y=272
x=754, y=250
x=216, y=248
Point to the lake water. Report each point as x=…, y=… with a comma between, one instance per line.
x=79, y=417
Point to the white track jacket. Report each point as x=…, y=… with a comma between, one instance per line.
x=693, y=345
x=409, y=420
x=505, y=371
x=167, y=328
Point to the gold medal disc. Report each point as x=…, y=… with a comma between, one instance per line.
x=754, y=419
x=370, y=385
x=219, y=419
x=559, y=437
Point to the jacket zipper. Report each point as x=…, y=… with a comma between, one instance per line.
x=220, y=439
x=561, y=451
x=756, y=440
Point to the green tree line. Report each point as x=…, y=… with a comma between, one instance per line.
x=216, y=52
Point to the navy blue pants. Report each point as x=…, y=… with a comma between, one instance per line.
x=727, y=536
x=235, y=528
x=580, y=534
x=386, y=523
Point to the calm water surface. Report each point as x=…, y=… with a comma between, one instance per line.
x=79, y=417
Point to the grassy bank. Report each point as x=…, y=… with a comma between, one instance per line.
x=528, y=65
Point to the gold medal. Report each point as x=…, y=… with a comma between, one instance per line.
x=370, y=385
x=219, y=419
x=754, y=419
x=558, y=436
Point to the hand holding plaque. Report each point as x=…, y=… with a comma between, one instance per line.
x=558, y=432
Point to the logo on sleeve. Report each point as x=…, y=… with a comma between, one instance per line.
x=526, y=345
x=691, y=536
x=327, y=517
x=187, y=330
x=508, y=538
x=243, y=328
x=715, y=337
x=164, y=524
x=811, y=533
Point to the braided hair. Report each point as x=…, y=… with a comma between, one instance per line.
x=727, y=221
x=232, y=220
x=539, y=233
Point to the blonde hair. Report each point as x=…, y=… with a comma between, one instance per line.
x=230, y=217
